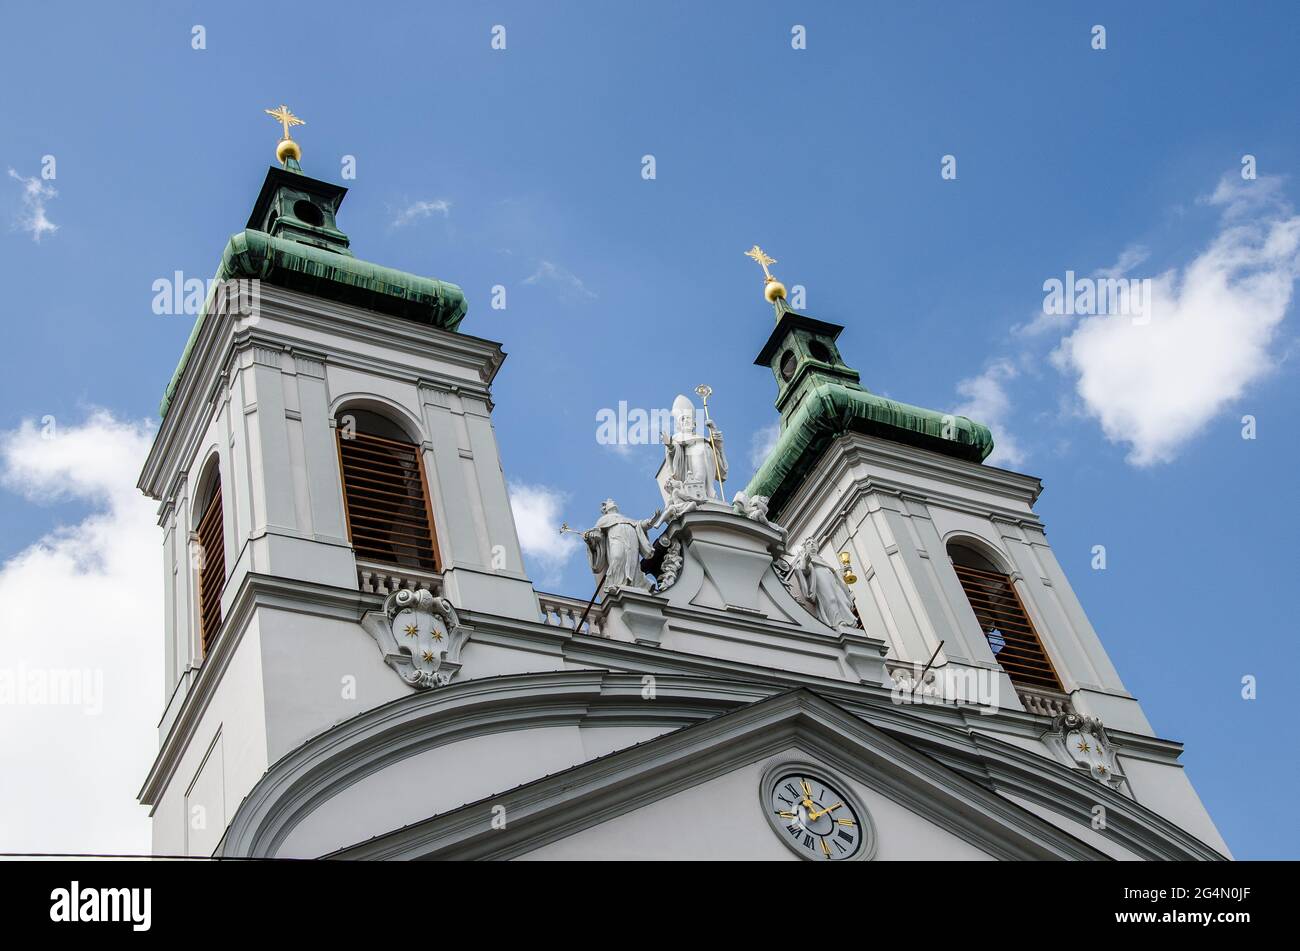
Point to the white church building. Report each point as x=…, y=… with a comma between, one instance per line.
x=868, y=653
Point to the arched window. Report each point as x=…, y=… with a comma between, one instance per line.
x=384, y=493
x=1003, y=618
x=211, y=563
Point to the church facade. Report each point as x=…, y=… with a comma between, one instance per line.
x=868, y=653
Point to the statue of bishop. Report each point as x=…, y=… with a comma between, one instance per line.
x=696, y=461
x=615, y=546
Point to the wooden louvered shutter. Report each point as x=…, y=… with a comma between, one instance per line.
x=1010, y=633
x=387, y=501
x=212, y=570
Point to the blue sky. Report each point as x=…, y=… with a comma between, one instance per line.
x=522, y=167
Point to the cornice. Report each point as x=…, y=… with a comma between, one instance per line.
x=822, y=489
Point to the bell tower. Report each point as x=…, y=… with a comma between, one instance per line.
x=326, y=441
x=954, y=567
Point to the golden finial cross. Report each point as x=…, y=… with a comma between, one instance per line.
x=757, y=254
x=285, y=118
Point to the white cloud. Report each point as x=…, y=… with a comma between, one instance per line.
x=422, y=209
x=1212, y=326
x=551, y=273
x=985, y=400
x=624, y=450
x=762, y=443
x=33, y=218
x=85, y=598
x=537, y=519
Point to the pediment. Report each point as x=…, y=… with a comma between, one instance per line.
x=695, y=793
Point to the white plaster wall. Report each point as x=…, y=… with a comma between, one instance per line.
x=317, y=672
x=480, y=660
x=1168, y=791
x=236, y=713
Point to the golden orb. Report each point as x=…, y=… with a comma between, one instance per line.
x=773, y=290
x=288, y=149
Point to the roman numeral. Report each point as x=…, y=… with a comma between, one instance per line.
x=807, y=842
x=846, y=836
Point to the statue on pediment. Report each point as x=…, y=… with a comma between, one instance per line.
x=696, y=461
x=615, y=546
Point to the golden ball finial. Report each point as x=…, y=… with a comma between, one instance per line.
x=288, y=149
x=773, y=289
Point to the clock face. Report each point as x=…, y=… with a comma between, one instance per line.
x=814, y=817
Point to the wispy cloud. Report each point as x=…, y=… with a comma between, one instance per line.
x=549, y=272
x=421, y=209
x=1128, y=259
x=82, y=605
x=537, y=511
x=985, y=400
x=762, y=443
x=33, y=218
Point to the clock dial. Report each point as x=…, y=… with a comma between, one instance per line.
x=819, y=822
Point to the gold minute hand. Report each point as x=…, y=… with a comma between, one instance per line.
x=816, y=815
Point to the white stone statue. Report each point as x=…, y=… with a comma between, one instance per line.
x=697, y=462
x=615, y=546
x=824, y=587
x=754, y=508
x=679, y=503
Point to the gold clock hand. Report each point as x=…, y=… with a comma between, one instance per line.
x=816, y=815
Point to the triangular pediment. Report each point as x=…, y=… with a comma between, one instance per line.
x=696, y=793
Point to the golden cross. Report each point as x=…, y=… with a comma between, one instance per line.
x=285, y=118
x=757, y=254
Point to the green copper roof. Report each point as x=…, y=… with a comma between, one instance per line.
x=820, y=398
x=292, y=241
x=327, y=274
x=832, y=409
